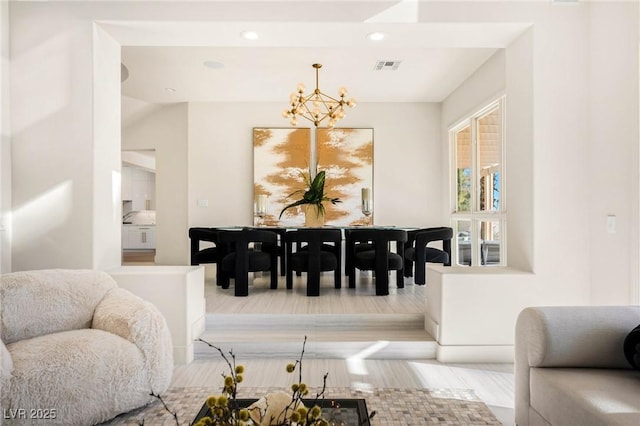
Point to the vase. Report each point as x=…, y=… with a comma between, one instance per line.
x=312, y=217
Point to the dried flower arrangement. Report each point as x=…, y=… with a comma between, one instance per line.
x=274, y=409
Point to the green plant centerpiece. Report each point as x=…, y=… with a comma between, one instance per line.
x=313, y=194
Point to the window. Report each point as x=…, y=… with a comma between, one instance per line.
x=478, y=205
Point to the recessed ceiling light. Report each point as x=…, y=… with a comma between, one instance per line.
x=213, y=65
x=169, y=89
x=250, y=35
x=376, y=36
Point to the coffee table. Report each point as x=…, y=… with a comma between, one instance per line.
x=346, y=412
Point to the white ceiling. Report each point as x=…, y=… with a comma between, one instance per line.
x=271, y=74
x=436, y=58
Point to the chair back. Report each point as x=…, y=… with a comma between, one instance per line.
x=314, y=237
x=237, y=243
x=35, y=303
x=241, y=260
x=207, y=255
x=381, y=260
x=242, y=237
x=422, y=237
x=378, y=236
x=204, y=234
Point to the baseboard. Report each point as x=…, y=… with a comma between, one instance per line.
x=182, y=354
x=475, y=354
x=431, y=327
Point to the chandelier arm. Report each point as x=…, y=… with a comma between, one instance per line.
x=330, y=97
x=306, y=108
x=331, y=105
x=307, y=118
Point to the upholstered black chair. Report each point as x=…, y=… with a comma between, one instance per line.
x=416, y=251
x=208, y=254
x=322, y=252
x=381, y=259
x=280, y=248
x=244, y=259
x=353, y=247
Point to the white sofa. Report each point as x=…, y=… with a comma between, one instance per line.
x=76, y=349
x=570, y=367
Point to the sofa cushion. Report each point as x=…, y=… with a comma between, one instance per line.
x=632, y=348
x=86, y=375
x=586, y=396
x=579, y=336
x=35, y=303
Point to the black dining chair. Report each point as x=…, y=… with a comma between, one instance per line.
x=353, y=247
x=280, y=247
x=244, y=259
x=382, y=259
x=417, y=252
x=314, y=250
x=209, y=254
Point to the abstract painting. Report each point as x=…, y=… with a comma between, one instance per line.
x=280, y=155
x=346, y=155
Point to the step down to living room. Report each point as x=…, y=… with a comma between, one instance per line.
x=370, y=336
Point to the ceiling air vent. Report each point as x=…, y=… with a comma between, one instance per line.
x=387, y=65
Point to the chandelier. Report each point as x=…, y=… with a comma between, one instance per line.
x=317, y=106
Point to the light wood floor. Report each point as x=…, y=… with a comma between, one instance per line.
x=493, y=383
x=362, y=299
x=138, y=257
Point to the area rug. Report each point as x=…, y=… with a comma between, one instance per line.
x=393, y=406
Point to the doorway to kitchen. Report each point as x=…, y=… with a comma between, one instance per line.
x=138, y=207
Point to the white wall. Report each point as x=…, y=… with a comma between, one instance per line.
x=107, y=204
x=407, y=164
x=613, y=145
x=560, y=136
x=5, y=143
x=165, y=131
x=52, y=141
x=519, y=153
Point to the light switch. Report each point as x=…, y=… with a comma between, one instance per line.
x=611, y=224
x=203, y=203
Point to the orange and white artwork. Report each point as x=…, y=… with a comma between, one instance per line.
x=346, y=155
x=279, y=157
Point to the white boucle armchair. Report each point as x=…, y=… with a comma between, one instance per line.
x=76, y=349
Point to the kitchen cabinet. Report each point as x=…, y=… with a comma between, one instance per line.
x=138, y=237
x=127, y=187
x=139, y=187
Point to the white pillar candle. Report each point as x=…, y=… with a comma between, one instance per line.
x=366, y=194
x=367, y=204
x=261, y=204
